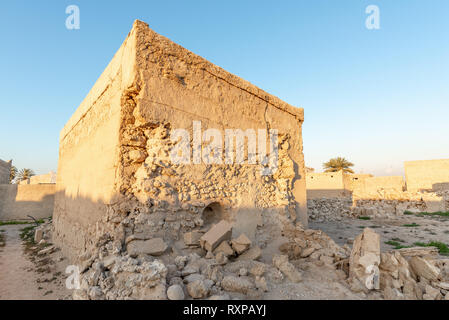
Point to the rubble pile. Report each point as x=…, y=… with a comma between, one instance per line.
x=404, y=274
x=329, y=209
x=314, y=245
x=212, y=265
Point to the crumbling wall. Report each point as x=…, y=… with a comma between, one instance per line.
x=375, y=187
x=326, y=185
x=19, y=201
x=427, y=175
x=349, y=180
x=5, y=169
x=116, y=177
x=332, y=184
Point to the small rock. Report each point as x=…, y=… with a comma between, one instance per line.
x=154, y=247
x=281, y=262
x=198, y=289
x=237, y=284
x=241, y=244
x=225, y=248
x=175, y=292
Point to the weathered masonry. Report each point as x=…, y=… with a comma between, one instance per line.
x=427, y=175
x=116, y=177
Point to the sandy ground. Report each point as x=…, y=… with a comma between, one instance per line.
x=26, y=276
x=428, y=229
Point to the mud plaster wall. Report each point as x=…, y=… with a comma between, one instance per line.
x=142, y=192
x=427, y=175
x=372, y=188
x=5, y=169
x=325, y=185
x=41, y=179
x=19, y=201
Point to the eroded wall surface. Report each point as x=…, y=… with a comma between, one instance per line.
x=427, y=175
x=5, y=169
x=376, y=187
x=116, y=177
x=325, y=185
x=41, y=179
x=20, y=201
x=331, y=184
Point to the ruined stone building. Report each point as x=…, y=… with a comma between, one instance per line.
x=5, y=169
x=116, y=173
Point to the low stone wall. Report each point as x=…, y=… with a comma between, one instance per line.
x=19, y=201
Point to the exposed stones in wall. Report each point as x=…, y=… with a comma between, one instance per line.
x=333, y=209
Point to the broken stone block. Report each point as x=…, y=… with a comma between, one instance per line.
x=175, y=292
x=365, y=259
x=432, y=293
x=47, y=250
x=225, y=248
x=192, y=238
x=261, y=283
x=307, y=252
x=419, y=252
x=199, y=289
x=237, y=284
x=154, y=247
x=241, y=244
x=218, y=233
x=253, y=253
x=221, y=258
x=38, y=235
x=424, y=268
x=289, y=270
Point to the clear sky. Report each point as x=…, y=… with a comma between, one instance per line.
x=376, y=97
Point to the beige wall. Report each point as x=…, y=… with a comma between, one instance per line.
x=325, y=185
x=150, y=86
x=331, y=184
x=5, y=169
x=41, y=179
x=427, y=174
x=19, y=201
x=371, y=188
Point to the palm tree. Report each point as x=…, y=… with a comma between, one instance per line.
x=12, y=174
x=25, y=174
x=337, y=164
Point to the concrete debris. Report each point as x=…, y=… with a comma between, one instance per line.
x=281, y=262
x=241, y=244
x=365, y=259
x=220, y=232
x=192, y=238
x=154, y=247
x=411, y=274
x=225, y=248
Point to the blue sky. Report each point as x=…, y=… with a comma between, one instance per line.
x=376, y=97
